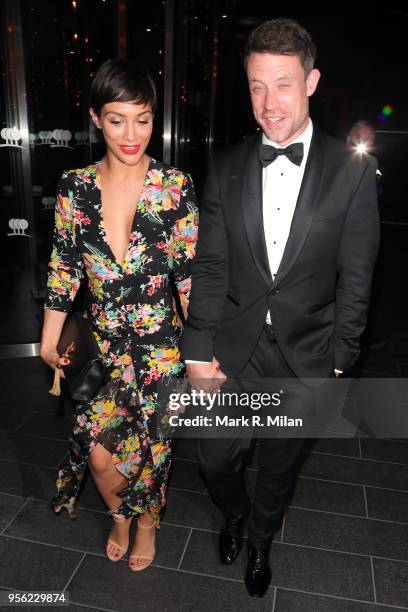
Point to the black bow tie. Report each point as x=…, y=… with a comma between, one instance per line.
x=268, y=154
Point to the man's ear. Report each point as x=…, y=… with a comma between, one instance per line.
x=95, y=118
x=312, y=80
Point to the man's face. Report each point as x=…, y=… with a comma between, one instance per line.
x=362, y=134
x=280, y=93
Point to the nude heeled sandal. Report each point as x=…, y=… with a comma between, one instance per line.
x=120, y=548
x=139, y=568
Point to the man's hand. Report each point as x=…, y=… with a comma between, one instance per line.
x=206, y=377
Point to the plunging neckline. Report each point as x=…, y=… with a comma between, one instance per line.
x=101, y=217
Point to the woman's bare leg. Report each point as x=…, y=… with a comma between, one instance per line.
x=108, y=482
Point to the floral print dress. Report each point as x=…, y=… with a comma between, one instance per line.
x=132, y=311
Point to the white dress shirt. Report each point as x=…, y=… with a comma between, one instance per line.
x=281, y=181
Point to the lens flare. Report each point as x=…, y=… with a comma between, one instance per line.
x=386, y=112
x=361, y=147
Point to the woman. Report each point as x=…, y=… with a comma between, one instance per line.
x=129, y=224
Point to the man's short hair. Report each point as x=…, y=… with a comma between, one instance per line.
x=364, y=124
x=282, y=37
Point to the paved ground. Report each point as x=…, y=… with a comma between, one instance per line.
x=343, y=547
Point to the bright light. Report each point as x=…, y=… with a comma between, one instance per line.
x=361, y=147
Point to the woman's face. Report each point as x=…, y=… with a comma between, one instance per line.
x=127, y=128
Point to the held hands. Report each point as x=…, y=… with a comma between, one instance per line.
x=206, y=377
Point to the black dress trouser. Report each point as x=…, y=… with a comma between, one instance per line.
x=222, y=460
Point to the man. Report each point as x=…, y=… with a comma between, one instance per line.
x=287, y=243
x=362, y=136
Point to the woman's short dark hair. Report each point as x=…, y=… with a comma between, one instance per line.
x=282, y=37
x=117, y=80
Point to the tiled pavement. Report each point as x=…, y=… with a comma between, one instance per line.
x=343, y=547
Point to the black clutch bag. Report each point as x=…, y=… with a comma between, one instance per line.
x=86, y=371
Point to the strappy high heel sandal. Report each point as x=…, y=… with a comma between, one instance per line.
x=115, y=557
x=139, y=568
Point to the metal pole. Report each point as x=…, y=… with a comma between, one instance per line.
x=168, y=136
x=17, y=115
x=214, y=79
x=122, y=29
x=23, y=306
x=391, y=132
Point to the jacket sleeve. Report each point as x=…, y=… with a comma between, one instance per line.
x=66, y=266
x=356, y=260
x=209, y=276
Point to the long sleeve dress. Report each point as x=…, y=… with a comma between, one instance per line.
x=131, y=308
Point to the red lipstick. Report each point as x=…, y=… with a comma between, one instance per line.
x=130, y=149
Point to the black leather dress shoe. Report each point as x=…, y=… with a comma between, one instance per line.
x=258, y=573
x=231, y=538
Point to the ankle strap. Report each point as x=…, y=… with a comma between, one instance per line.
x=145, y=526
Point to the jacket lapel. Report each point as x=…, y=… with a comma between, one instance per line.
x=252, y=210
x=306, y=203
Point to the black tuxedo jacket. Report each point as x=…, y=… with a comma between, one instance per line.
x=319, y=299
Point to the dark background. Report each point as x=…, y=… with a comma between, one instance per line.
x=343, y=545
x=193, y=49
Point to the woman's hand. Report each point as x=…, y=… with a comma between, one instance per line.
x=206, y=377
x=53, y=359
x=51, y=331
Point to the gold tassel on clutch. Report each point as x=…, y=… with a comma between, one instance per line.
x=56, y=387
